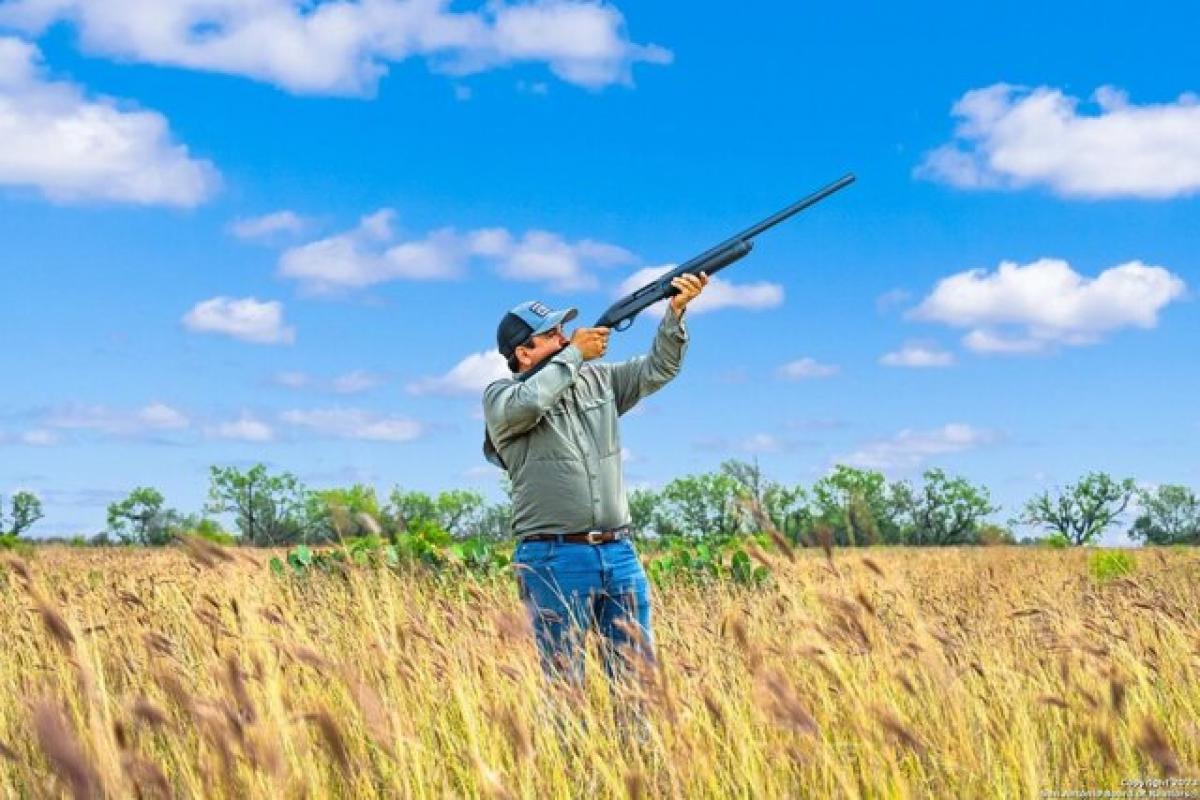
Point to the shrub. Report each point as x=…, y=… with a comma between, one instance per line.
x=1105, y=565
x=1056, y=541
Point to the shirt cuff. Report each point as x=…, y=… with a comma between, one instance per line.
x=571, y=356
x=674, y=325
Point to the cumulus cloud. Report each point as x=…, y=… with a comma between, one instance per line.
x=1029, y=308
x=73, y=148
x=353, y=423
x=546, y=257
x=353, y=382
x=246, y=428
x=39, y=437
x=36, y=437
x=268, y=225
x=246, y=319
x=805, y=368
x=152, y=418
x=469, y=376
x=918, y=355
x=719, y=293
x=1013, y=137
x=370, y=254
x=292, y=379
x=911, y=448
x=345, y=47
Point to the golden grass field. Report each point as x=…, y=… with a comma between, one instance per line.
x=956, y=673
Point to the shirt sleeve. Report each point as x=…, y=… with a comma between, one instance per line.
x=513, y=407
x=643, y=375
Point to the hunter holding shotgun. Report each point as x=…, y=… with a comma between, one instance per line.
x=553, y=427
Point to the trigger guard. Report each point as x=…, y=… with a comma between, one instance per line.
x=623, y=324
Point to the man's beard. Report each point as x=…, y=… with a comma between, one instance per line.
x=529, y=373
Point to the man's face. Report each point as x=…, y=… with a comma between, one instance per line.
x=541, y=346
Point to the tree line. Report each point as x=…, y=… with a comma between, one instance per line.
x=846, y=507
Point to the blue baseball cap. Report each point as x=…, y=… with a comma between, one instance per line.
x=528, y=319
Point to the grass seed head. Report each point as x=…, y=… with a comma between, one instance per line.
x=62, y=749
x=1154, y=745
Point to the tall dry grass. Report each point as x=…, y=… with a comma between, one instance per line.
x=996, y=672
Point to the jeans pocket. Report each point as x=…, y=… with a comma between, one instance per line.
x=535, y=554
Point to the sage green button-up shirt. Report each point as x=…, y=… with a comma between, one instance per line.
x=555, y=432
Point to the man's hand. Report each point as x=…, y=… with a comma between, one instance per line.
x=592, y=342
x=689, y=286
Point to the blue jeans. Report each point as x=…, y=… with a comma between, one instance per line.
x=569, y=587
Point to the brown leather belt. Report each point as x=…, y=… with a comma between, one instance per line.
x=582, y=537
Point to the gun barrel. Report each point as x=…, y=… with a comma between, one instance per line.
x=796, y=207
x=620, y=315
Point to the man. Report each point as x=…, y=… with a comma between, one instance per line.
x=553, y=427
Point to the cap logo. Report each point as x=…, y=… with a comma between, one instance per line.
x=539, y=309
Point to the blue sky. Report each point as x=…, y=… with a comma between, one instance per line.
x=235, y=233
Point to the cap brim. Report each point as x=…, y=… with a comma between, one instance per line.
x=556, y=318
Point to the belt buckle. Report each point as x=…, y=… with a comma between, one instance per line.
x=593, y=537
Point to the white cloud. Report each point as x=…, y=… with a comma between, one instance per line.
x=363, y=257
x=891, y=299
x=806, y=367
x=1014, y=137
x=355, y=382
x=161, y=416
x=369, y=254
x=40, y=438
x=292, y=379
x=72, y=148
x=246, y=319
x=717, y=295
x=37, y=437
x=1031, y=307
x=483, y=473
x=919, y=355
x=268, y=225
x=910, y=448
x=345, y=47
x=150, y=418
x=469, y=376
x=352, y=423
x=245, y=428
x=544, y=256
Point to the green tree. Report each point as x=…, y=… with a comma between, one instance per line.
x=406, y=509
x=643, y=510
x=1082, y=511
x=943, y=511
x=495, y=521
x=700, y=505
x=1169, y=514
x=785, y=507
x=269, y=509
x=336, y=513
x=25, y=509
x=992, y=534
x=141, y=518
x=857, y=506
x=459, y=512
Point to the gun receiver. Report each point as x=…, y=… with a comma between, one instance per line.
x=620, y=315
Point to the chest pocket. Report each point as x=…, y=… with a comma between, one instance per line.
x=598, y=416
